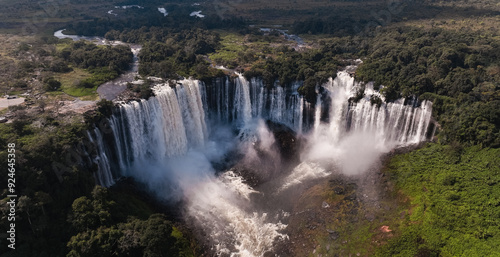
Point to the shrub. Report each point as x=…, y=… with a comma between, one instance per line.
x=51, y=84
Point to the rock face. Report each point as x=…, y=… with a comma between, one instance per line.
x=287, y=141
x=269, y=161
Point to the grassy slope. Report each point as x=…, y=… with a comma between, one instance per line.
x=455, y=200
x=438, y=200
x=354, y=223
x=69, y=81
x=239, y=50
x=231, y=45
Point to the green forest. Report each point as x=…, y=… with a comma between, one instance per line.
x=453, y=194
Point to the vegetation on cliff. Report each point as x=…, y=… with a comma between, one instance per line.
x=454, y=202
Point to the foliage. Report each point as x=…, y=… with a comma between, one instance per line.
x=366, y=17
x=171, y=54
x=51, y=211
x=455, y=202
x=178, y=19
x=87, y=214
x=103, y=62
x=59, y=65
x=458, y=72
x=314, y=67
x=41, y=218
x=52, y=84
x=100, y=236
x=144, y=90
x=100, y=114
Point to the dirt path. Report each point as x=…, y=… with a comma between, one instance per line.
x=77, y=106
x=5, y=103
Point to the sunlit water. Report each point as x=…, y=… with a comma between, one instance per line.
x=171, y=142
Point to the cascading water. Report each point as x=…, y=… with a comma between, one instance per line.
x=159, y=127
x=243, y=100
x=356, y=134
x=171, y=141
x=104, y=177
x=394, y=124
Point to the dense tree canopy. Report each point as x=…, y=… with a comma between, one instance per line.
x=169, y=53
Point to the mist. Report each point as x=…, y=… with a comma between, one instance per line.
x=224, y=165
x=219, y=204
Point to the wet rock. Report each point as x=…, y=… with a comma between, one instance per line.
x=311, y=227
x=286, y=140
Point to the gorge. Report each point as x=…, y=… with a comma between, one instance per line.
x=199, y=143
x=264, y=128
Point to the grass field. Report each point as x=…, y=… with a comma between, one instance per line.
x=243, y=51
x=232, y=46
x=70, y=80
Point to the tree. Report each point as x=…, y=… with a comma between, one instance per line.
x=83, y=216
x=157, y=237
x=99, y=242
x=51, y=84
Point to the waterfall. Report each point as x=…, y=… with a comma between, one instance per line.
x=164, y=126
x=353, y=133
x=104, y=176
x=241, y=100
x=242, y=105
x=177, y=118
x=393, y=124
x=171, y=141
